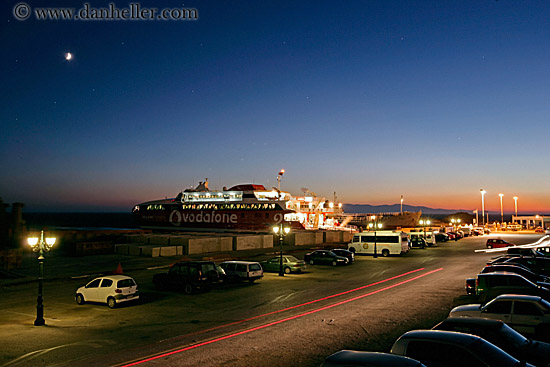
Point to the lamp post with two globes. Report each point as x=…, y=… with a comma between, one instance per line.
x=375, y=225
x=40, y=245
x=424, y=223
x=282, y=232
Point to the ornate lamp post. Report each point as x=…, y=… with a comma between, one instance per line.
x=282, y=232
x=516, y=205
x=375, y=225
x=401, y=204
x=40, y=246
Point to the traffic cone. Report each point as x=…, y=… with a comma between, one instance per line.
x=118, y=269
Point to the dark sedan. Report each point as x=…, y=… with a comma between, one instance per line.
x=324, y=257
x=501, y=335
x=345, y=253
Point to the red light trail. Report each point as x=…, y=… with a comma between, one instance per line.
x=180, y=350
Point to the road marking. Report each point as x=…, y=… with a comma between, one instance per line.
x=246, y=331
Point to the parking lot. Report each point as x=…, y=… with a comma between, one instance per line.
x=293, y=320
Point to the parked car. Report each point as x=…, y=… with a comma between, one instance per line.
x=349, y=358
x=538, y=264
x=188, y=276
x=501, y=335
x=110, y=289
x=418, y=242
x=238, y=271
x=518, y=269
x=529, y=315
x=436, y=348
x=345, y=253
x=324, y=257
x=290, y=264
x=498, y=243
x=524, y=251
x=441, y=237
x=539, y=230
x=490, y=285
x=453, y=236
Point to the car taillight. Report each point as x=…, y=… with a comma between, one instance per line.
x=118, y=290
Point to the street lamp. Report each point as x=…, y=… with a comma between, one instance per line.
x=279, y=177
x=455, y=222
x=282, y=232
x=483, y=192
x=401, y=204
x=375, y=225
x=424, y=223
x=501, y=213
x=40, y=246
x=516, y=206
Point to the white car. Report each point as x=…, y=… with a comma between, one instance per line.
x=526, y=314
x=110, y=289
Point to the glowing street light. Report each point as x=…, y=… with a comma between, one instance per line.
x=40, y=246
x=501, y=213
x=401, y=204
x=281, y=232
x=516, y=205
x=424, y=223
x=483, y=192
x=374, y=225
x=279, y=177
x=455, y=223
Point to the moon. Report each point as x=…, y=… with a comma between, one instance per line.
x=68, y=56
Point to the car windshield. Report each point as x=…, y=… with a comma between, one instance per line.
x=292, y=259
x=255, y=267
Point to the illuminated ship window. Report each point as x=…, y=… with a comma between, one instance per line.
x=155, y=207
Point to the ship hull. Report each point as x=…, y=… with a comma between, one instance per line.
x=174, y=218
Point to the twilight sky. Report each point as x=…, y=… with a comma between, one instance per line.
x=431, y=100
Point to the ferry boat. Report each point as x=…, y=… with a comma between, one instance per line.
x=241, y=207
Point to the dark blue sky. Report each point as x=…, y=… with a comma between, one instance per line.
x=432, y=100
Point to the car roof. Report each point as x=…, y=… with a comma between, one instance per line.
x=114, y=277
x=502, y=273
x=442, y=336
x=523, y=297
x=471, y=321
x=370, y=359
x=195, y=262
x=239, y=262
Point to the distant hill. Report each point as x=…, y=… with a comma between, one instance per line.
x=396, y=208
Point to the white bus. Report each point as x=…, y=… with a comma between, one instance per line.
x=387, y=243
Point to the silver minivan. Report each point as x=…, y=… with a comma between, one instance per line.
x=238, y=271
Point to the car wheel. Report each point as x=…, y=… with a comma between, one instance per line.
x=111, y=302
x=385, y=253
x=251, y=280
x=287, y=270
x=334, y=263
x=188, y=289
x=80, y=299
x=311, y=262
